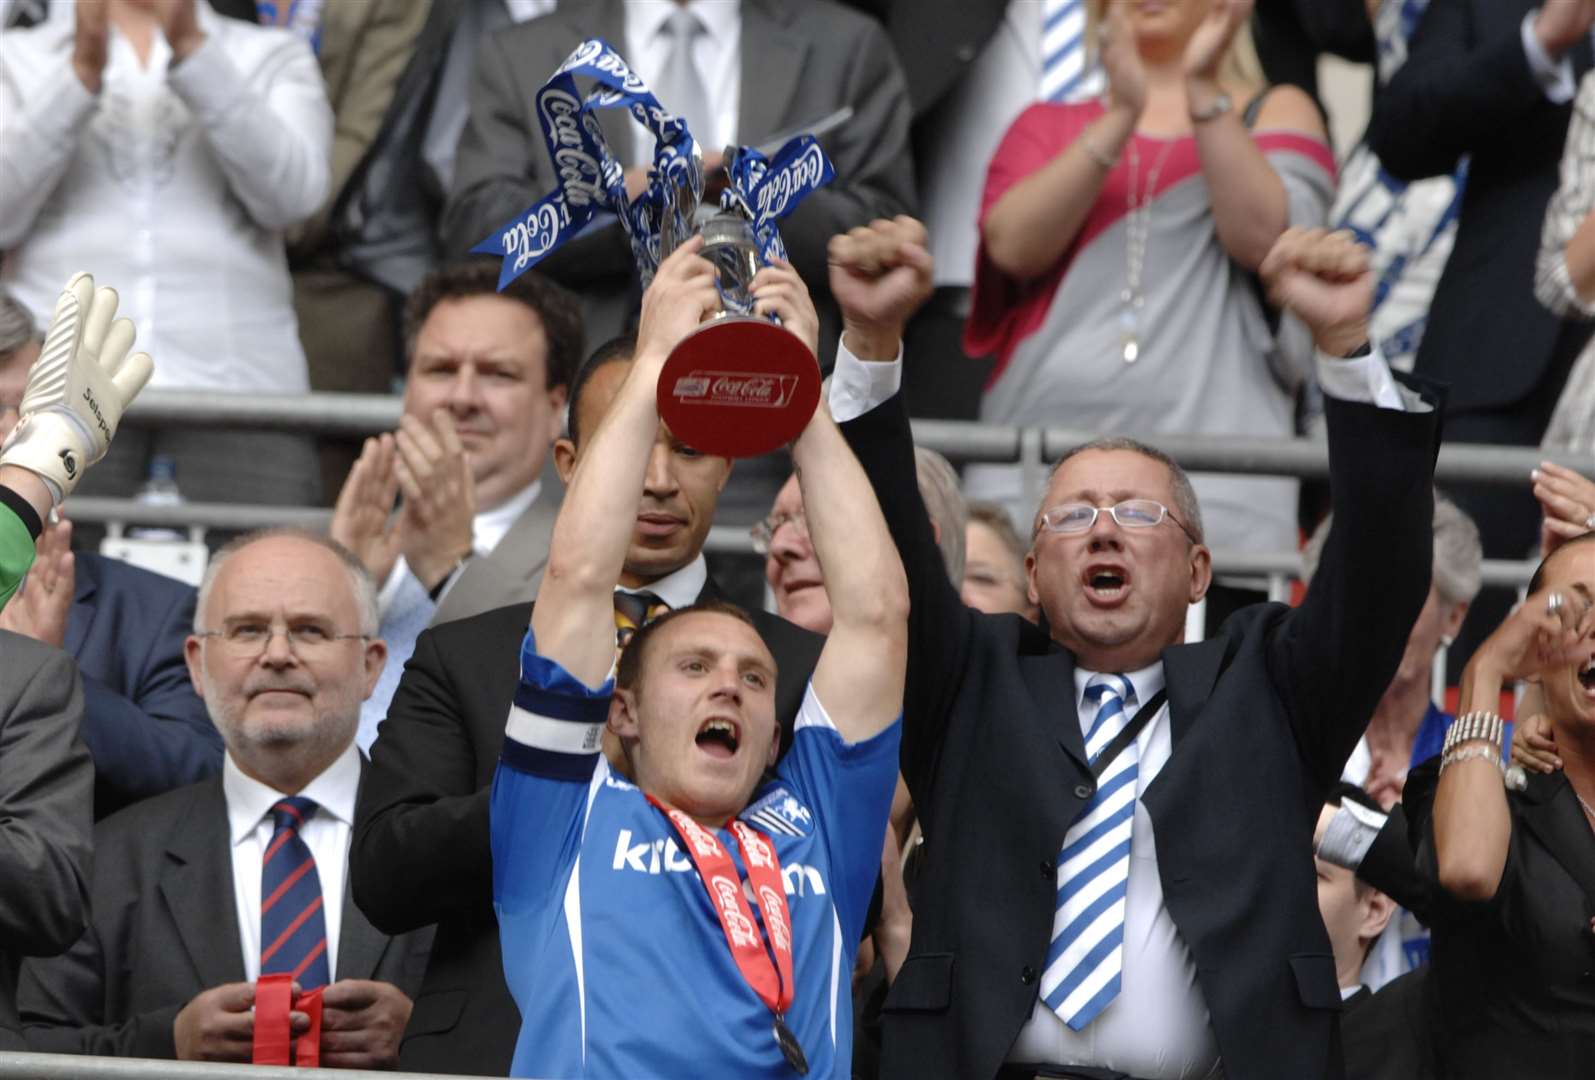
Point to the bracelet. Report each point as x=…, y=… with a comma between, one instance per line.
x=1475, y=725
x=1221, y=104
x=1096, y=154
x=1491, y=754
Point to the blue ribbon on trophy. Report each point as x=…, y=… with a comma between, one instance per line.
x=591, y=179
x=739, y=385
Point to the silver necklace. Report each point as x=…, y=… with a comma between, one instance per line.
x=1590, y=810
x=1137, y=228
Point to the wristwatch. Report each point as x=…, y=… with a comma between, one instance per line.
x=1221, y=104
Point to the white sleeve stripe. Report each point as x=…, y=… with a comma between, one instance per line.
x=812, y=713
x=554, y=736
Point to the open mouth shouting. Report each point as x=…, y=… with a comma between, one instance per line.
x=1107, y=584
x=1586, y=677
x=719, y=738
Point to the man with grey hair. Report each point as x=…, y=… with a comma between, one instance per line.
x=198, y=892
x=793, y=573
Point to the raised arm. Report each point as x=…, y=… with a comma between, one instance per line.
x=859, y=676
x=1472, y=824
x=1035, y=221
x=1333, y=655
x=572, y=621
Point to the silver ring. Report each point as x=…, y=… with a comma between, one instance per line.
x=1553, y=603
x=1589, y=522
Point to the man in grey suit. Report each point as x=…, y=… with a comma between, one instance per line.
x=199, y=891
x=46, y=803
x=488, y=373
x=766, y=66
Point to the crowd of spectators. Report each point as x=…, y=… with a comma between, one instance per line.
x=460, y=767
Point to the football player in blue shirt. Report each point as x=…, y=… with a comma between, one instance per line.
x=690, y=919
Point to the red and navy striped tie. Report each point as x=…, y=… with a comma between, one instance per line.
x=293, y=933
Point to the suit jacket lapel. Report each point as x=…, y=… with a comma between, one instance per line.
x=1049, y=677
x=197, y=885
x=511, y=572
x=360, y=945
x=1189, y=672
x=772, y=63
x=1551, y=812
x=84, y=585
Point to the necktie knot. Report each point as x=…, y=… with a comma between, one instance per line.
x=1101, y=688
x=292, y=812
x=633, y=611
x=683, y=26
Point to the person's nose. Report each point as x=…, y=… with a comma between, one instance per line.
x=727, y=683
x=1106, y=534
x=790, y=542
x=465, y=392
x=278, y=652
x=660, y=479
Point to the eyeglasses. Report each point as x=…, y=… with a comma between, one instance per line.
x=764, y=532
x=1129, y=514
x=306, y=640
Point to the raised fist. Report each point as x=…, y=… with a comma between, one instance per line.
x=78, y=389
x=1323, y=279
x=880, y=275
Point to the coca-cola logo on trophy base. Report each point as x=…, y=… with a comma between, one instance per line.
x=736, y=389
x=739, y=387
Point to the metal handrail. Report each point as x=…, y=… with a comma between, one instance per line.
x=20, y=1066
x=962, y=441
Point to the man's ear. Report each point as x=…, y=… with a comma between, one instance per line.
x=1376, y=914
x=564, y=459
x=1201, y=571
x=376, y=658
x=196, y=675
x=1031, y=592
x=557, y=396
x=623, y=714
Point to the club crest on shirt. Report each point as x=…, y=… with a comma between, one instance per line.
x=779, y=811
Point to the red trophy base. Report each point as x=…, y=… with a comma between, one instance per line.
x=738, y=387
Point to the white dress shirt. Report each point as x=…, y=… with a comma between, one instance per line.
x=173, y=184
x=1554, y=76
x=717, y=54
x=679, y=588
x=327, y=834
x=1159, y=1027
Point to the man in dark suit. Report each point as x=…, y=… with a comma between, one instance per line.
x=198, y=891
x=421, y=850
x=1494, y=80
x=1049, y=932
x=799, y=64
x=45, y=785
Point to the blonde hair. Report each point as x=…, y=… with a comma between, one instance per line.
x=1240, y=70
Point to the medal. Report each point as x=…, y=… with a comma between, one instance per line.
x=771, y=982
x=791, y=1049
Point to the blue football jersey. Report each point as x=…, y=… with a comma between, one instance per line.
x=612, y=949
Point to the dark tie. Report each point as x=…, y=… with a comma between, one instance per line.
x=634, y=611
x=293, y=933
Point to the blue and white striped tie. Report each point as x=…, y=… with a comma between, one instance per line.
x=1086, y=957
x=1064, y=74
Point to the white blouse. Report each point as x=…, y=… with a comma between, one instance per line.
x=173, y=185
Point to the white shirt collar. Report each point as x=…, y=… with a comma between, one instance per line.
x=680, y=588
x=489, y=526
x=1147, y=682
x=722, y=19
x=248, y=800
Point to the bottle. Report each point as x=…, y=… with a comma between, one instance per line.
x=160, y=489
